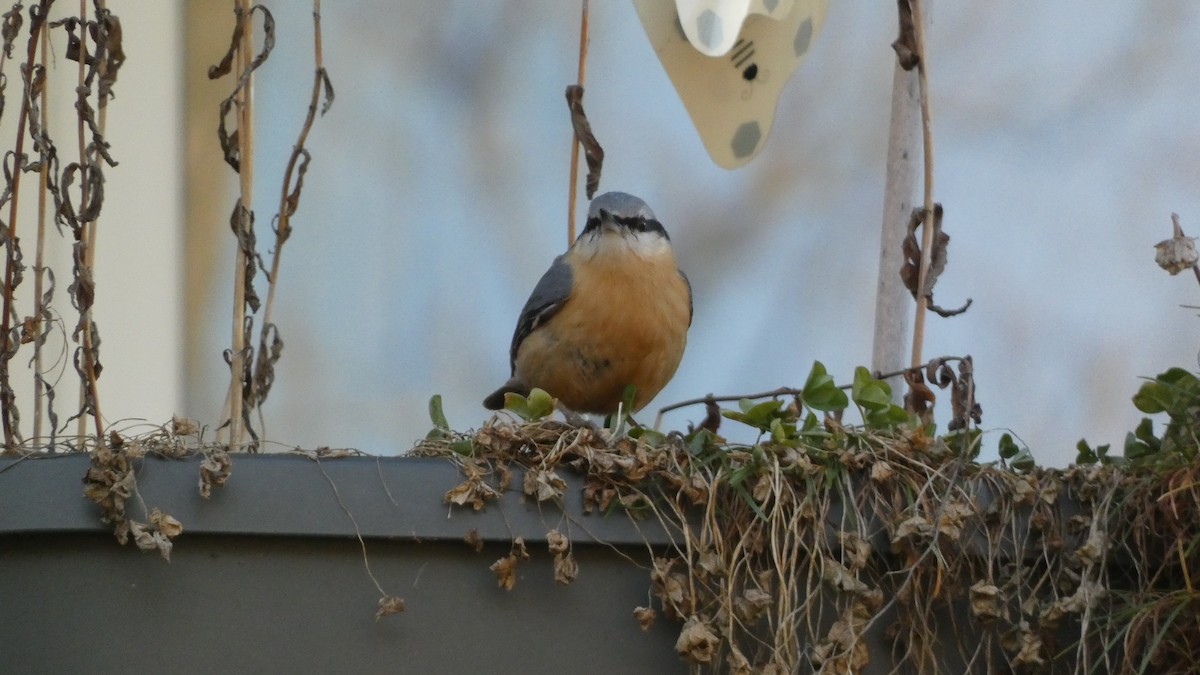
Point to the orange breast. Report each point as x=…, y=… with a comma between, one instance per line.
x=625, y=324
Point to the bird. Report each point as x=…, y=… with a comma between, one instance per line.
x=612, y=312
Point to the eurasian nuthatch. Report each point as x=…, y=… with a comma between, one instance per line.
x=612, y=311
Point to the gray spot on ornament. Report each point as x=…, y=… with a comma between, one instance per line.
x=746, y=139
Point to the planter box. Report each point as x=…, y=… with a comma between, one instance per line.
x=268, y=575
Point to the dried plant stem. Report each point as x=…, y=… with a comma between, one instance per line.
x=10, y=262
x=285, y=211
x=39, y=268
x=927, y=138
x=88, y=240
x=785, y=391
x=244, y=102
x=571, y=192
x=288, y=201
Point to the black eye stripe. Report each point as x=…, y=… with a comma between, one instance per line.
x=632, y=223
x=638, y=224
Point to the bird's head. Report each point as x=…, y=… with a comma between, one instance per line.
x=619, y=223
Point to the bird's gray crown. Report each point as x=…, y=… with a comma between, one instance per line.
x=629, y=213
x=620, y=205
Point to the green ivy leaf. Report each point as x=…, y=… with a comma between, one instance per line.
x=757, y=415
x=537, y=406
x=1008, y=447
x=1023, y=461
x=1085, y=454
x=1170, y=392
x=650, y=437
x=820, y=393
x=441, y=428
x=871, y=394
x=886, y=418
x=436, y=415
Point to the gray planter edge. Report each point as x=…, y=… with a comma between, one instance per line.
x=295, y=495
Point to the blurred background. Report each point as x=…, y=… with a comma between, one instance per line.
x=1066, y=133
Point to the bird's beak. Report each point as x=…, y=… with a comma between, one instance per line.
x=607, y=221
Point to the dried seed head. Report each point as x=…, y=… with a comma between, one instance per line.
x=1177, y=253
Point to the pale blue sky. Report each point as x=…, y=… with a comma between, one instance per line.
x=1066, y=134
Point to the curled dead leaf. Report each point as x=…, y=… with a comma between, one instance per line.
x=987, y=603
x=565, y=568
x=505, y=570
x=215, y=469
x=751, y=605
x=645, y=617
x=519, y=548
x=913, y=527
x=668, y=586
x=149, y=538
x=389, y=605
x=474, y=540
x=184, y=426
x=697, y=642
x=841, y=578
x=557, y=541
x=168, y=525
x=882, y=472
x=1027, y=645
x=1175, y=254
x=856, y=550
x=543, y=484
x=953, y=517
x=473, y=491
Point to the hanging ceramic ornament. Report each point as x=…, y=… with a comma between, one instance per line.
x=729, y=61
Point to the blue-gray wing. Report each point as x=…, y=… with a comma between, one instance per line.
x=547, y=298
x=688, y=282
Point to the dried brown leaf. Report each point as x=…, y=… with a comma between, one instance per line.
x=709, y=563
x=905, y=44
x=856, y=550
x=1177, y=253
x=543, y=484
x=592, y=152
x=215, y=468
x=505, y=570
x=474, y=540
x=183, y=426
x=762, y=488
x=712, y=416
x=751, y=604
x=987, y=602
x=914, y=527
x=1025, y=643
x=565, y=568
x=557, y=541
x=473, y=491
x=911, y=250
x=920, y=398
x=668, y=586
x=698, y=642
x=167, y=524
x=645, y=617
x=388, y=606
x=841, y=578
x=737, y=662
